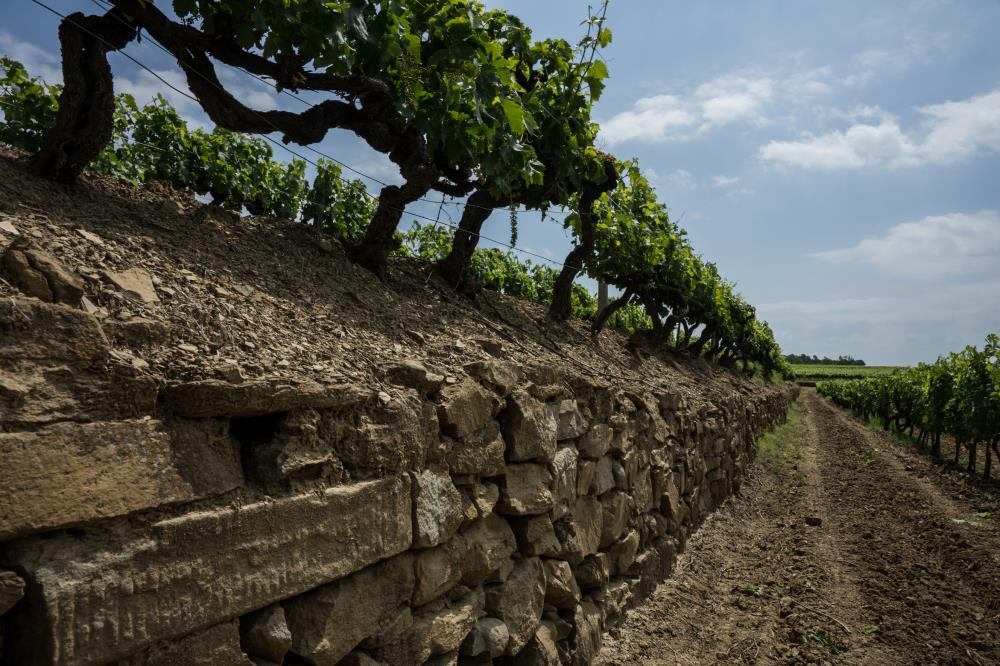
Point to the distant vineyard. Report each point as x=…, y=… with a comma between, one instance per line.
x=811, y=372
x=959, y=396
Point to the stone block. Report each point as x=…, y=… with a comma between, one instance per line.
x=622, y=553
x=480, y=453
x=593, y=572
x=437, y=570
x=437, y=508
x=11, y=590
x=101, y=598
x=561, y=589
x=34, y=331
x=564, y=478
x=596, y=442
x=488, y=637
x=329, y=622
x=529, y=428
x=265, y=634
x=489, y=544
x=526, y=490
x=541, y=649
x=218, y=645
x=535, y=535
x=518, y=602
x=436, y=630
x=214, y=397
x=70, y=473
x=579, y=533
x=570, y=422
x=465, y=408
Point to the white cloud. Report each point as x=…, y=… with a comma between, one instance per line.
x=954, y=131
x=934, y=247
x=725, y=181
x=681, y=179
x=722, y=101
x=37, y=61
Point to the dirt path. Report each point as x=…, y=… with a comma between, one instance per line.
x=847, y=548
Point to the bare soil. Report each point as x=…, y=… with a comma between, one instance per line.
x=858, y=551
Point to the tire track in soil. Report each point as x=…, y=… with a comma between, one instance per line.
x=758, y=586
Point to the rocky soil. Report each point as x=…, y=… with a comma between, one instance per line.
x=861, y=551
x=188, y=291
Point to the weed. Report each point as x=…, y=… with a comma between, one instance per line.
x=779, y=449
x=824, y=638
x=804, y=585
x=871, y=629
x=743, y=605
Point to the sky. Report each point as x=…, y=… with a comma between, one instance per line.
x=839, y=161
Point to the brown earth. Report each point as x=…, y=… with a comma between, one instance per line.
x=271, y=298
x=903, y=567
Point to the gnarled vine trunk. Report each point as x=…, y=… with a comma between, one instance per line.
x=454, y=267
x=85, y=120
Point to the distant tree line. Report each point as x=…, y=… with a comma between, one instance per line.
x=806, y=359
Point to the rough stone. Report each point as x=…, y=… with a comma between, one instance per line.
x=643, y=491
x=415, y=375
x=212, y=397
x=571, y=423
x=561, y=589
x=465, y=408
x=437, y=508
x=596, y=442
x=265, y=634
x=541, y=649
x=564, y=478
x=594, y=571
x=383, y=438
x=604, y=478
x=218, y=645
x=586, y=474
x=499, y=376
x=69, y=473
x=11, y=590
x=518, y=602
x=485, y=497
x=34, y=331
x=489, y=543
x=586, y=638
x=535, y=535
x=480, y=453
x=435, y=631
x=579, y=533
x=191, y=571
x=437, y=570
x=529, y=428
x=41, y=275
x=488, y=637
x=526, y=490
x=137, y=331
x=623, y=553
x=329, y=622
x=615, y=514
x=135, y=283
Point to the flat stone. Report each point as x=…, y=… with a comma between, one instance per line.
x=529, y=428
x=416, y=375
x=135, y=283
x=34, y=331
x=586, y=474
x=623, y=553
x=198, y=569
x=465, y=408
x=218, y=645
x=327, y=623
x=615, y=514
x=526, y=490
x=137, y=331
x=499, y=376
x=604, y=477
x=41, y=275
x=518, y=602
x=70, y=473
x=212, y=397
x=437, y=508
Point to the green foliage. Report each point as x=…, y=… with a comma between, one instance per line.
x=958, y=395
x=29, y=108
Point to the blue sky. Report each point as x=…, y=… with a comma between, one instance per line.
x=839, y=161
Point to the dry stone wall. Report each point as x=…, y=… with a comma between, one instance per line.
x=504, y=514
